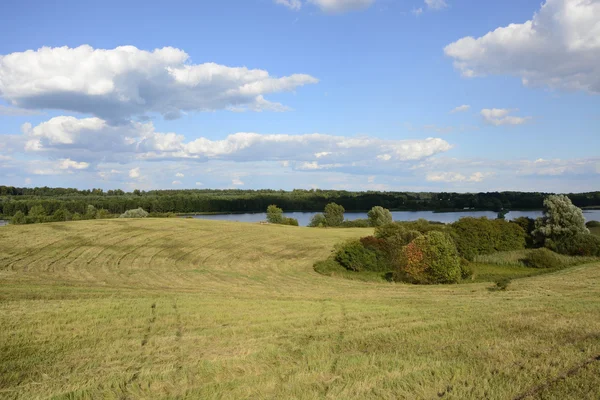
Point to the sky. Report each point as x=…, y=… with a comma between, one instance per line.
x=394, y=95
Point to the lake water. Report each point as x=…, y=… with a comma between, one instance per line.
x=447, y=217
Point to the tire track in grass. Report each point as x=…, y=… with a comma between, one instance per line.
x=337, y=349
x=562, y=376
x=142, y=356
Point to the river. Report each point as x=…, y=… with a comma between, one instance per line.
x=446, y=217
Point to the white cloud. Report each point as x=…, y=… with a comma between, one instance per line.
x=199, y=184
x=291, y=4
x=237, y=182
x=462, y=108
x=417, y=11
x=179, y=175
x=70, y=164
x=27, y=181
x=92, y=139
x=118, y=83
x=176, y=183
x=134, y=173
x=454, y=177
x=500, y=116
x=436, y=4
x=340, y=6
x=559, y=48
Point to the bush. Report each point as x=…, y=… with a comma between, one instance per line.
x=431, y=258
x=37, y=214
x=502, y=283
x=136, y=213
x=542, y=258
x=103, y=214
x=354, y=256
x=289, y=221
x=593, y=224
x=356, y=223
x=379, y=216
x=579, y=245
x=466, y=270
x=318, y=221
x=528, y=226
x=561, y=219
x=477, y=236
x=76, y=217
x=396, y=233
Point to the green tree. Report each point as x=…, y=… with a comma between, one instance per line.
x=102, y=214
x=18, y=218
x=37, y=213
x=137, y=213
x=561, y=219
x=334, y=214
x=274, y=214
x=317, y=221
x=90, y=212
x=379, y=216
x=61, y=214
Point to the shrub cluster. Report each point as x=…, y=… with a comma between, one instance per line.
x=543, y=258
x=136, y=213
x=582, y=244
x=478, y=236
x=37, y=214
x=592, y=224
x=275, y=216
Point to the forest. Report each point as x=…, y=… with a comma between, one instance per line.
x=13, y=199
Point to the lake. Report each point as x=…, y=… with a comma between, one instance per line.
x=446, y=217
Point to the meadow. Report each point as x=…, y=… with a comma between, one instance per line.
x=182, y=308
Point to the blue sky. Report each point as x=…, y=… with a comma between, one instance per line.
x=346, y=94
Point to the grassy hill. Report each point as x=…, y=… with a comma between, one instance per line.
x=177, y=308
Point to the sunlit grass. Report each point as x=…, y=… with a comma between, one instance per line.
x=206, y=309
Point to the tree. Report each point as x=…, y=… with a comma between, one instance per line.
x=90, y=212
x=274, y=214
x=61, y=215
x=334, y=214
x=37, y=213
x=102, y=214
x=561, y=219
x=379, y=216
x=317, y=221
x=18, y=218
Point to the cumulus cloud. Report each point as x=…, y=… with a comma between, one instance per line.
x=462, y=108
x=134, y=173
x=179, y=175
x=454, y=177
x=95, y=140
x=116, y=84
x=291, y=4
x=237, y=182
x=176, y=183
x=341, y=6
x=558, y=48
x=67, y=163
x=500, y=116
x=436, y=4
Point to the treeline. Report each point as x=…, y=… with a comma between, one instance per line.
x=14, y=199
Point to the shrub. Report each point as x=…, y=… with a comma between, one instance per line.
x=542, y=258
x=528, y=226
x=103, y=214
x=18, y=218
x=579, y=245
x=356, y=223
x=274, y=214
x=318, y=221
x=334, y=214
x=90, y=212
x=466, y=270
x=354, y=256
x=136, y=213
x=379, y=216
x=431, y=258
x=37, y=213
x=396, y=233
x=76, y=217
x=592, y=224
x=502, y=283
x=477, y=236
x=289, y=221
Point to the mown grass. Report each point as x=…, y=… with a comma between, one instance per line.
x=206, y=309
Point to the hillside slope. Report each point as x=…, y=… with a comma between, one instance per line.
x=203, y=309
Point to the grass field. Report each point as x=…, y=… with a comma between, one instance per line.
x=178, y=308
